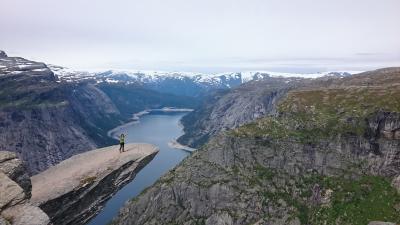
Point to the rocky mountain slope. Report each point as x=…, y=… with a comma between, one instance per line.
x=45, y=120
x=330, y=155
x=15, y=193
x=225, y=110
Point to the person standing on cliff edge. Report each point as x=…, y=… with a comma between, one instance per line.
x=122, y=143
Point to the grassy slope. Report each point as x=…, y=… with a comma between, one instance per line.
x=341, y=108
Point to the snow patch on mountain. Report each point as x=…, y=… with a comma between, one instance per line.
x=227, y=79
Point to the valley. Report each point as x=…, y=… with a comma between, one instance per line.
x=271, y=149
x=185, y=112
x=45, y=120
x=157, y=128
x=328, y=155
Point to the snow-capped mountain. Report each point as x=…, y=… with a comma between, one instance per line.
x=180, y=83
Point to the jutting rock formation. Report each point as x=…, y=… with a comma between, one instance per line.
x=73, y=191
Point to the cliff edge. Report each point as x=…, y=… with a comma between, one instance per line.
x=74, y=190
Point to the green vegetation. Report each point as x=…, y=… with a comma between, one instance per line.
x=28, y=101
x=355, y=202
x=312, y=115
x=359, y=201
x=343, y=102
x=26, y=92
x=343, y=200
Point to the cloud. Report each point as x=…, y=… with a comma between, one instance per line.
x=203, y=35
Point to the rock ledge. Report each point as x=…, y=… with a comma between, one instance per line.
x=75, y=190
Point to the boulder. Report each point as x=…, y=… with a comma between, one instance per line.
x=15, y=169
x=10, y=193
x=15, y=191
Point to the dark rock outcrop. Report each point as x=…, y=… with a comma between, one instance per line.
x=2, y=54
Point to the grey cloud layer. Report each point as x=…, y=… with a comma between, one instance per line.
x=203, y=35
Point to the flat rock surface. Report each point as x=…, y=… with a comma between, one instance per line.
x=84, y=168
x=26, y=214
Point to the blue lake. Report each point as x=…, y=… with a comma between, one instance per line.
x=156, y=128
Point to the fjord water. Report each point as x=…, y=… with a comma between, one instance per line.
x=156, y=128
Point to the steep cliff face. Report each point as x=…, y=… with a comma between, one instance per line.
x=15, y=192
x=330, y=155
x=225, y=110
x=94, y=111
x=33, y=109
x=46, y=121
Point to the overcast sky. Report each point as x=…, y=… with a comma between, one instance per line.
x=204, y=35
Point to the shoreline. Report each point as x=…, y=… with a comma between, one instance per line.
x=136, y=119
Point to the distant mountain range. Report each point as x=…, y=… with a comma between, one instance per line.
x=181, y=83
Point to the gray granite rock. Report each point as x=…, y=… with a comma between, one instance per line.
x=5, y=155
x=10, y=192
x=15, y=169
x=380, y=223
x=396, y=183
x=26, y=214
x=15, y=191
x=82, y=184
